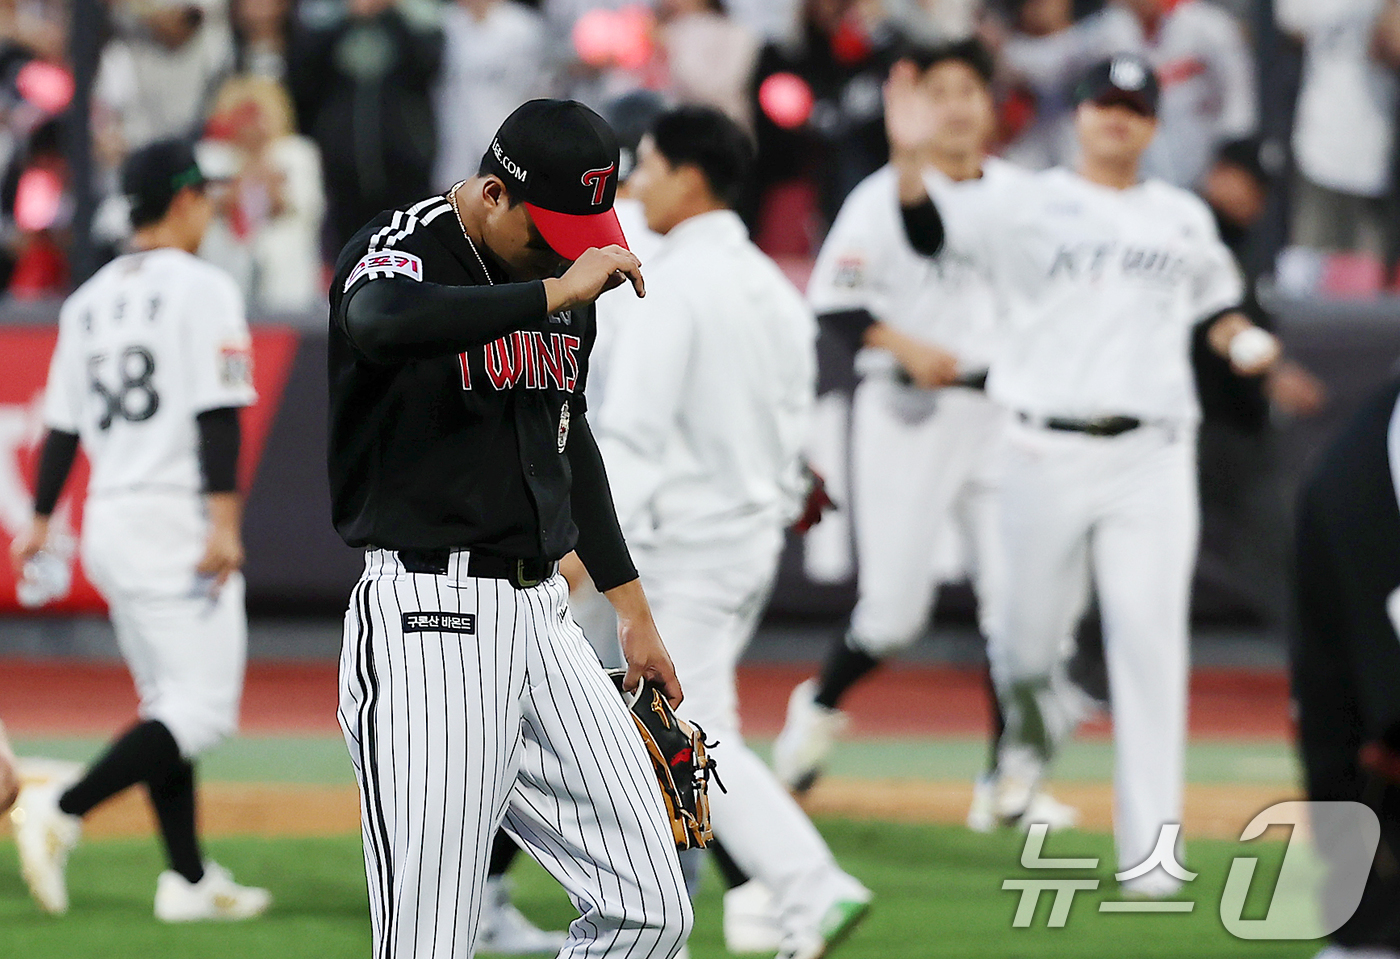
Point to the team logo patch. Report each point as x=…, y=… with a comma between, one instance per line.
x=235, y=364
x=563, y=426
x=850, y=272
x=385, y=263
x=439, y=623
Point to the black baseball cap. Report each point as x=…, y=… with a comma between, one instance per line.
x=561, y=159
x=1125, y=79
x=152, y=175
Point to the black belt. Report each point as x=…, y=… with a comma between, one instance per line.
x=976, y=380
x=520, y=573
x=1098, y=426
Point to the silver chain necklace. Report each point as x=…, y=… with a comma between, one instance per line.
x=452, y=198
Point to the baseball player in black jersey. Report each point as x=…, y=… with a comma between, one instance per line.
x=461, y=460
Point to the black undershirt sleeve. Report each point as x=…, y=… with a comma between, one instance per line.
x=847, y=326
x=55, y=462
x=220, y=436
x=923, y=227
x=395, y=319
x=600, y=543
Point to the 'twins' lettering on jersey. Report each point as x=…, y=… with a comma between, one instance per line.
x=534, y=360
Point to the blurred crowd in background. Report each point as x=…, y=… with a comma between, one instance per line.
x=321, y=113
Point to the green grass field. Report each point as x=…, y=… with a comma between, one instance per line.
x=938, y=894
x=938, y=888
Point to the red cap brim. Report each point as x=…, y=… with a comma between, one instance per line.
x=570, y=234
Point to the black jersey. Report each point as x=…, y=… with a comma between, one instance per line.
x=432, y=449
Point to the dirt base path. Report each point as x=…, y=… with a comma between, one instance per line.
x=1215, y=810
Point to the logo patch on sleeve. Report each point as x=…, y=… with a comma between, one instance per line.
x=439, y=623
x=384, y=263
x=235, y=364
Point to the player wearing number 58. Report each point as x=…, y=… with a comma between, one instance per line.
x=151, y=368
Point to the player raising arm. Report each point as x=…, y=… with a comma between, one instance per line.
x=152, y=364
x=1103, y=277
x=924, y=464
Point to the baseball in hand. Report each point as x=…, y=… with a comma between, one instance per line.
x=1253, y=349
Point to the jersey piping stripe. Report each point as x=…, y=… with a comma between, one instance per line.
x=411, y=223
x=385, y=230
x=432, y=215
x=404, y=223
x=373, y=795
x=375, y=857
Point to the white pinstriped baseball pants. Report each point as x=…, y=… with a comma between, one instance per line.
x=468, y=704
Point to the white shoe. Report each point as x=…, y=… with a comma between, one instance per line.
x=1020, y=770
x=1156, y=884
x=45, y=836
x=216, y=896
x=684, y=953
x=839, y=920
x=1045, y=808
x=982, y=814
x=806, y=740
x=505, y=930
x=750, y=924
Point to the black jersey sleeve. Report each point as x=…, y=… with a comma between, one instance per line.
x=220, y=438
x=600, y=542
x=923, y=227
x=395, y=319
x=55, y=463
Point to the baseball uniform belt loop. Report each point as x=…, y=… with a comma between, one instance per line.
x=520, y=573
x=1103, y=426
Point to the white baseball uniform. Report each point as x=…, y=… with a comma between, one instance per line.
x=1102, y=288
x=704, y=416
x=146, y=345
x=920, y=458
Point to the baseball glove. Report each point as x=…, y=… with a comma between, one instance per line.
x=679, y=757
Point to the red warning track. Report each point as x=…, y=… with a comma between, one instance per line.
x=61, y=697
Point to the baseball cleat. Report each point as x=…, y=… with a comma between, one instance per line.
x=806, y=740
x=506, y=931
x=1045, y=808
x=45, y=835
x=216, y=896
x=750, y=923
x=839, y=921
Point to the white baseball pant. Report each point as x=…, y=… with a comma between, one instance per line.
x=467, y=704
x=919, y=459
x=184, y=642
x=1124, y=507
x=707, y=603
